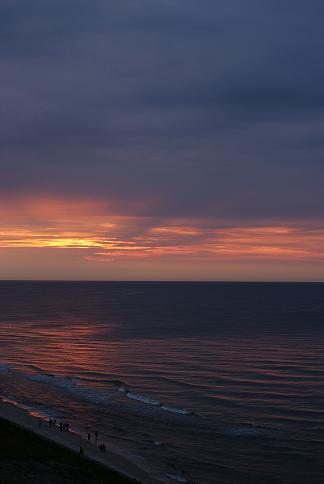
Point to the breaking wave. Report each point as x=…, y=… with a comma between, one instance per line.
x=104, y=391
x=82, y=388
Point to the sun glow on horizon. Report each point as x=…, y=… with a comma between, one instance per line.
x=102, y=237
x=67, y=239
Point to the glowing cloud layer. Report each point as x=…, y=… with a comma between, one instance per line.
x=102, y=237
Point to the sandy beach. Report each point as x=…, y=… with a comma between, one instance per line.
x=125, y=465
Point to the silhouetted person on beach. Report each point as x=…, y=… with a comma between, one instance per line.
x=54, y=422
x=81, y=450
x=50, y=422
x=61, y=426
x=89, y=437
x=96, y=435
x=67, y=427
x=103, y=448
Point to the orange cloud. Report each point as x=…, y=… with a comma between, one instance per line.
x=101, y=236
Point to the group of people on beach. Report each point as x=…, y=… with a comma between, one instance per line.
x=95, y=434
x=102, y=447
x=64, y=427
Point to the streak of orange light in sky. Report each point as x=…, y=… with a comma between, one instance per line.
x=235, y=242
x=81, y=224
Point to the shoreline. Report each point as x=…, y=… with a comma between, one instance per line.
x=125, y=466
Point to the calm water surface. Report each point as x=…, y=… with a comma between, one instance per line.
x=224, y=382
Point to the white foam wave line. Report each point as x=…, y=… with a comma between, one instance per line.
x=141, y=398
x=70, y=384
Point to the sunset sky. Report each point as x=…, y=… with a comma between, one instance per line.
x=162, y=139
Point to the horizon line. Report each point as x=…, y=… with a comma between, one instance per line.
x=168, y=281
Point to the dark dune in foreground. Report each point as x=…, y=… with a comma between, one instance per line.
x=28, y=458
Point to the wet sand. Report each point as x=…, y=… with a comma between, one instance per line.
x=121, y=469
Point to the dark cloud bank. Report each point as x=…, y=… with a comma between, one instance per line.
x=209, y=109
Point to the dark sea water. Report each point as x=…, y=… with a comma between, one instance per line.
x=208, y=382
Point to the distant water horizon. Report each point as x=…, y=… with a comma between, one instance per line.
x=214, y=381
x=172, y=281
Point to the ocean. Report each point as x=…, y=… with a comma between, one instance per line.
x=200, y=382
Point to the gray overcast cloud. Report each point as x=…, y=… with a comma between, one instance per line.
x=210, y=108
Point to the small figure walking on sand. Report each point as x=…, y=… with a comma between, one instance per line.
x=67, y=427
x=50, y=422
x=81, y=450
x=54, y=422
x=96, y=435
x=89, y=437
x=61, y=426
